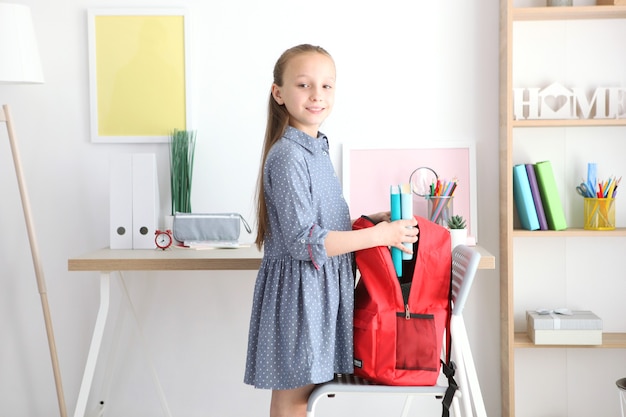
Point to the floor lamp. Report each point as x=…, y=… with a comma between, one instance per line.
x=19, y=64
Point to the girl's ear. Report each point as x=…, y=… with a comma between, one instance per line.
x=276, y=94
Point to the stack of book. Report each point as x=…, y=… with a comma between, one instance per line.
x=568, y=328
x=401, y=208
x=536, y=197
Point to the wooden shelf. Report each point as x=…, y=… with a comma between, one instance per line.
x=609, y=341
x=568, y=123
x=571, y=232
x=569, y=13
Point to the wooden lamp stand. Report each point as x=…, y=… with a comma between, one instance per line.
x=5, y=116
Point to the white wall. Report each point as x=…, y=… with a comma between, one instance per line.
x=408, y=72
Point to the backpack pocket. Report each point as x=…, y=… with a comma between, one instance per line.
x=366, y=332
x=416, y=342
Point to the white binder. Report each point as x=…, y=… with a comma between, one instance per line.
x=145, y=200
x=134, y=201
x=121, y=202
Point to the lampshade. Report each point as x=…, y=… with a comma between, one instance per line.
x=19, y=57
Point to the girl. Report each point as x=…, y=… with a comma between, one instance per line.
x=301, y=324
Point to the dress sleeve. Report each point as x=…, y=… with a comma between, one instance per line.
x=288, y=186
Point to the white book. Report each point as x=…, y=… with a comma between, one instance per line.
x=406, y=213
x=566, y=337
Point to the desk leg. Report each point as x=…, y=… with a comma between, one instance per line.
x=96, y=343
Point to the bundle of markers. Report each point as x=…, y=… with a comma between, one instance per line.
x=608, y=188
x=440, y=189
x=593, y=188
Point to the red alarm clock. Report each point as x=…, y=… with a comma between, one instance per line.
x=163, y=239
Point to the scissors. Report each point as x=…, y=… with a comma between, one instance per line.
x=583, y=190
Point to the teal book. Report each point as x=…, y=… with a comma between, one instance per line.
x=523, y=198
x=550, y=196
x=396, y=214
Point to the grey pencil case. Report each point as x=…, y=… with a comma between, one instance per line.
x=208, y=227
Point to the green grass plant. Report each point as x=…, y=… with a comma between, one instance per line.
x=182, y=151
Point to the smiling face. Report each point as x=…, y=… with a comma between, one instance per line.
x=308, y=90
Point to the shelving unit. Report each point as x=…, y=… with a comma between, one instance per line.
x=609, y=341
x=515, y=339
x=570, y=232
x=566, y=13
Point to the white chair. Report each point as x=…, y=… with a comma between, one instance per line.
x=621, y=386
x=464, y=265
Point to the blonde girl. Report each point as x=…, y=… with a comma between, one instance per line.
x=301, y=323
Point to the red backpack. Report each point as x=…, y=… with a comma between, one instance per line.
x=399, y=322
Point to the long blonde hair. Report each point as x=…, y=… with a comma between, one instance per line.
x=277, y=121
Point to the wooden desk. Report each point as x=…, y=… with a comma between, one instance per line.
x=189, y=260
x=174, y=259
x=107, y=261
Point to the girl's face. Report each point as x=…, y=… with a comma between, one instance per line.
x=308, y=90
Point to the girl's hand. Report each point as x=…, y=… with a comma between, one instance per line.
x=396, y=233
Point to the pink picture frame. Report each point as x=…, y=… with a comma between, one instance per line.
x=368, y=174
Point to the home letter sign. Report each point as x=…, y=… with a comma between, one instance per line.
x=556, y=102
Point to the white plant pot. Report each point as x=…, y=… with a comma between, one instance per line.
x=457, y=237
x=168, y=222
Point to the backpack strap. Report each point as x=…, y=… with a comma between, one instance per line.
x=449, y=367
x=448, y=371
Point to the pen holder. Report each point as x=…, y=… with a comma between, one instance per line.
x=599, y=213
x=440, y=209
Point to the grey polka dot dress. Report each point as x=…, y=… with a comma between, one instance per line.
x=301, y=322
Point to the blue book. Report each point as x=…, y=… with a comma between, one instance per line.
x=534, y=189
x=396, y=214
x=523, y=198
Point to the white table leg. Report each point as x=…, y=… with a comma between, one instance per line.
x=96, y=343
x=146, y=350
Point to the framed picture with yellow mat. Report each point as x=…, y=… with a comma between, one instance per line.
x=138, y=74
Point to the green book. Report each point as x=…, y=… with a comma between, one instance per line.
x=550, y=196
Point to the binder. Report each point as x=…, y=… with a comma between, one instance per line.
x=121, y=202
x=133, y=201
x=145, y=200
x=552, y=206
x=534, y=189
x=523, y=198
